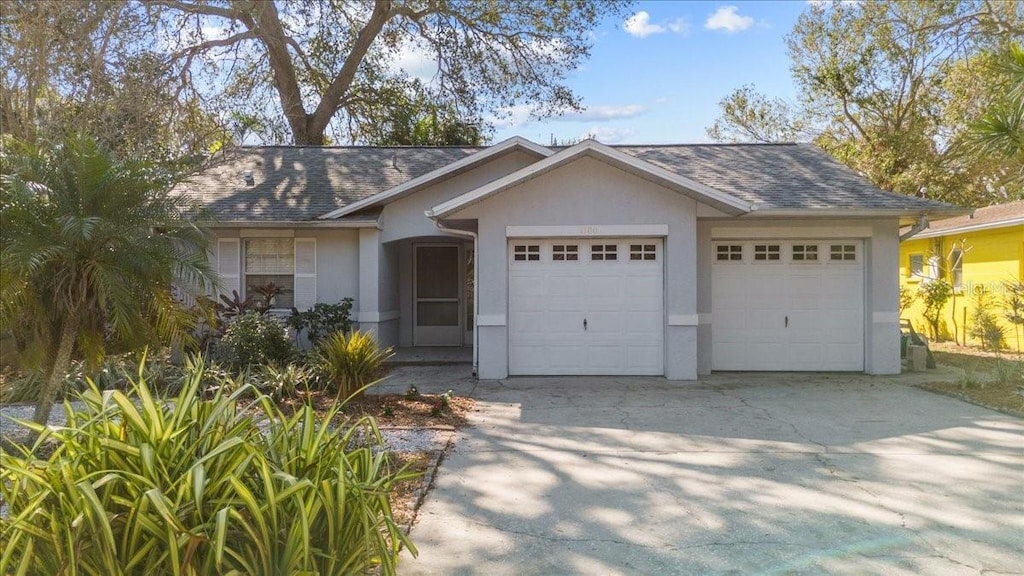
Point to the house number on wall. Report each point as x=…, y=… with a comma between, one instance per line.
x=590, y=230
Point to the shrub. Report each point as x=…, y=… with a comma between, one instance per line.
x=934, y=294
x=111, y=373
x=322, y=319
x=350, y=362
x=255, y=339
x=199, y=486
x=986, y=325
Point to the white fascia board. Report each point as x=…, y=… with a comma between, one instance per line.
x=703, y=193
x=971, y=228
x=905, y=215
x=289, y=224
x=449, y=170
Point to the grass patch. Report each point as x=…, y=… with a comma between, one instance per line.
x=991, y=381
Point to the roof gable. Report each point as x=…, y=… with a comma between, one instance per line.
x=591, y=148
x=455, y=168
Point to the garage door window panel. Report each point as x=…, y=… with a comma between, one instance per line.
x=526, y=253
x=604, y=252
x=729, y=253
x=643, y=252
x=843, y=252
x=767, y=253
x=565, y=252
x=805, y=253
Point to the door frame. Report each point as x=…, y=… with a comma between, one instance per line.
x=458, y=331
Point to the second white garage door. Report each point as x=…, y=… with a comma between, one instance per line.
x=587, y=307
x=788, y=305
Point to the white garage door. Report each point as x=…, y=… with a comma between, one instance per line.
x=589, y=306
x=788, y=305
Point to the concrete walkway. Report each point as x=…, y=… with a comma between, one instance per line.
x=743, y=474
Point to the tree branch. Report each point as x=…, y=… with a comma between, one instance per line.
x=190, y=8
x=382, y=13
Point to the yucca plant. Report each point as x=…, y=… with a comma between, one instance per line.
x=199, y=486
x=352, y=361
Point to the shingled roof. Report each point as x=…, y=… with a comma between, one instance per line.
x=998, y=216
x=300, y=183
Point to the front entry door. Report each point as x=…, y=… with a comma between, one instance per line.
x=437, y=306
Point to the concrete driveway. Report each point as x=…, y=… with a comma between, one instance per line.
x=764, y=474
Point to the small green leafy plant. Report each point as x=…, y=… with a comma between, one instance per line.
x=322, y=319
x=412, y=393
x=199, y=486
x=255, y=339
x=444, y=404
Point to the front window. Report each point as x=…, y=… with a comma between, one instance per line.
x=271, y=260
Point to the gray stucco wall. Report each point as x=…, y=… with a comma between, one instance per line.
x=337, y=258
x=586, y=192
x=404, y=218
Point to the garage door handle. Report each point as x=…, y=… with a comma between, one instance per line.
x=584, y=324
x=787, y=321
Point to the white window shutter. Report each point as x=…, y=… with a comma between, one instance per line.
x=305, y=273
x=228, y=264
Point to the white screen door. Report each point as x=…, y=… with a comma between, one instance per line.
x=438, y=296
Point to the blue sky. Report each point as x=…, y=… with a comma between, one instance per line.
x=656, y=75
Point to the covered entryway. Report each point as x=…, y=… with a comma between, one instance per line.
x=586, y=306
x=788, y=305
x=437, y=295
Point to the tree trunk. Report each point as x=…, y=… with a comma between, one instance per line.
x=59, y=369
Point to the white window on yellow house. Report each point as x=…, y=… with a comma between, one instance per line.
x=916, y=269
x=956, y=269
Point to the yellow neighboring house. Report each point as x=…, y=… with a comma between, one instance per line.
x=976, y=254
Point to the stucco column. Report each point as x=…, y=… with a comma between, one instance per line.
x=882, y=317
x=368, y=302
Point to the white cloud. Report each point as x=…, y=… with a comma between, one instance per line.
x=726, y=18
x=679, y=26
x=604, y=113
x=608, y=134
x=640, y=25
x=416, y=61
x=521, y=115
x=833, y=2
x=512, y=116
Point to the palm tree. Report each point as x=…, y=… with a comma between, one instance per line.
x=91, y=250
x=999, y=132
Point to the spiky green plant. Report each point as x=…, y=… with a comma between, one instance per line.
x=352, y=361
x=199, y=486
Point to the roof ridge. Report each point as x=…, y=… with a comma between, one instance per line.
x=707, y=144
